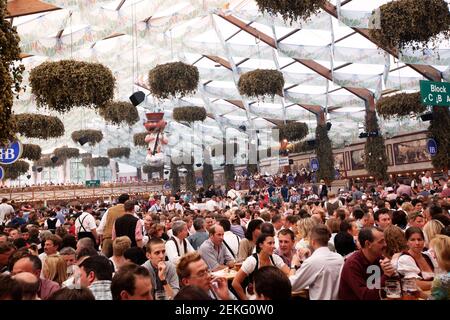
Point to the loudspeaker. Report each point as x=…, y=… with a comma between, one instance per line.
x=198, y=165
x=137, y=98
x=427, y=116
x=39, y=169
x=54, y=159
x=291, y=161
x=311, y=143
x=328, y=126
x=166, y=172
x=83, y=140
x=29, y=176
x=243, y=128
x=363, y=135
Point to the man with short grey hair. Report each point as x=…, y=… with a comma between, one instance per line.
x=177, y=245
x=200, y=235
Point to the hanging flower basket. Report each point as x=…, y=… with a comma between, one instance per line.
x=96, y=162
x=293, y=131
x=400, y=105
x=139, y=139
x=47, y=162
x=412, y=23
x=89, y=135
x=120, y=113
x=301, y=147
x=66, y=153
x=224, y=149
x=16, y=169
x=65, y=84
x=189, y=114
x=291, y=10
x=174, y=79
x=10, y=74
x=31, y=152
x=85, y=155
x=33, y=125
x=119, y=152
x=261, y=83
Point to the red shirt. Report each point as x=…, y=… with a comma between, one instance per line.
x=354, y=275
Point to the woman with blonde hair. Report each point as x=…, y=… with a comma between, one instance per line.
x=304, y=227
x=55, y=269
x=408, y=208
x=431, y=229
x=440, y=249
x=120, y=244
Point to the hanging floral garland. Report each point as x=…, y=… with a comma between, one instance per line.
x=119, y=152
x=260, y=83
x=173, y=80
x=400, y=105
x=139, y=139
x=33, y=125
x=89, y=135
x=31, y=152
x=413, y=23
x=291, y=10
x=96, y=162
x=65, y=153
x=65, y=84
x=293, y=131
x=120, y=113
x=189, y=114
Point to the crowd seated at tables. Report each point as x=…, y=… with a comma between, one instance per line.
x=281, y=239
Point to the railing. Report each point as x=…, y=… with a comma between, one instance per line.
x=42, y=194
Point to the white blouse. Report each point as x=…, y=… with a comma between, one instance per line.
x=406, y=266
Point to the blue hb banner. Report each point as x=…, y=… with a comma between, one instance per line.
x=11, y=153
x=314, y=164
x=2, y=173
x=199, y=181
x=167, y=185
x=432, y=147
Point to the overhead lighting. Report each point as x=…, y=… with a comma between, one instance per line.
x=328, y=126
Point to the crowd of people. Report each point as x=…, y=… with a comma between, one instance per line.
x=268, y=242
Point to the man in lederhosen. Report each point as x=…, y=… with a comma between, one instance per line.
x=85, y=225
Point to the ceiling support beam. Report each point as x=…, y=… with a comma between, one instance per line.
x=18, y=8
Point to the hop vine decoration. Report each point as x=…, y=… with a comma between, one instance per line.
x=47, y=162
x=324, y=154
x=375, y=150
x=174, y=177
x=65, y=84
x=260, y=83
x=10, y=75
x=400, y=105
x=33, y=125
x=229, y=172
x=95, y=162
x=120, y=113
x=31, y=152
x=173, y=80
x=301, y=147
x=139, y=139
x=65, y=153
x=293, y=131
x=89, y=135
x=440, y=131
x=291, y=10
x=120, y=152
x=16, y=169
x=413, y=23
x=189, y=114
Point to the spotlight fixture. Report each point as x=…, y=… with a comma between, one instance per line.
x=198, y=165
x=243, y=128
x=137, y=98
x=39, y=169
x=29, y=176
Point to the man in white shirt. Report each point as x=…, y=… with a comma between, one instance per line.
x=85, y=225
x=171, y=206
x=321, y=271
x=177, y=245
x=230, y=240
x=5, y=209
x=212, y=205
x=51, y=246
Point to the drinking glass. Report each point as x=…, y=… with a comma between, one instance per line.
x=410, y=290
x=393, y=290
x=160, y=295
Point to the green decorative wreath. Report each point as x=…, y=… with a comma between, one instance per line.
x=10, y=74
x=119, y=113
x=96, y=162
x=16, y=169
x=33, y=125
x=412, y=23
x=260, y=83
x=31, y=152
x=119, y=152
x=293, y=131
x=400, y=105
x=174, y=79
x=89, y=135
x=189, y=114
x=139, y=139
x=65, y=153
x=291, y=10
x=65, y=84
